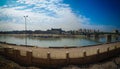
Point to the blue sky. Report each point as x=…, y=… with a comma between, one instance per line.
x=65, y=14
x=99, y=11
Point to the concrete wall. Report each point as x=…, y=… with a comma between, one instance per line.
x=29, y=60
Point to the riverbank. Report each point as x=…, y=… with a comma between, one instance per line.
x=60, y=53
x=45, y=35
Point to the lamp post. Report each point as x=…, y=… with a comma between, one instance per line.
x=25, y=29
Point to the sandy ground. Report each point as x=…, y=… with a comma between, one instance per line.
x=60, y=53
x=113, y=63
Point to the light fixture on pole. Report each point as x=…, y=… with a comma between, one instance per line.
x=25, y=29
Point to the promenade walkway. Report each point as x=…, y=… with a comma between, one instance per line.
x=60, y=53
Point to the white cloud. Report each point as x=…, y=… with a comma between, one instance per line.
x=10, y=26
x=43, y=14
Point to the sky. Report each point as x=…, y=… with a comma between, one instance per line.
x=66, y=14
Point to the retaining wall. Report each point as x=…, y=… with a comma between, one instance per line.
x=30, y=60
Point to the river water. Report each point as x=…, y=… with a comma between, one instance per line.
x=52, y=42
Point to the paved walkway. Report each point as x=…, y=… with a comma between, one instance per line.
x=60, y=53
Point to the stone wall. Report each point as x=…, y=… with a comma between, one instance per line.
x=29, y=60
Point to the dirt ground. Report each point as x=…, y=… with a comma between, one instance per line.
x=113, y=63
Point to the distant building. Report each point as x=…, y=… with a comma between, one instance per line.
x=116, y=31
x=56, y=31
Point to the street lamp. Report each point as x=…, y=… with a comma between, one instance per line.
x=25, y=29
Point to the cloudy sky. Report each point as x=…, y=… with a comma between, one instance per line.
x=65, y=14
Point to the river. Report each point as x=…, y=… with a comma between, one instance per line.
x=52, y=42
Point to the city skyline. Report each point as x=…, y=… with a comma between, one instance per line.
x=66, y=14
